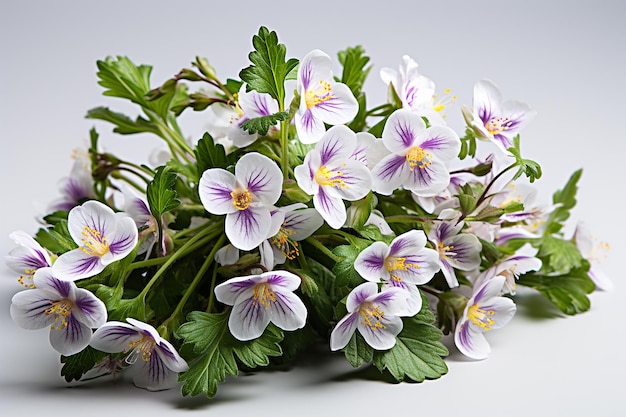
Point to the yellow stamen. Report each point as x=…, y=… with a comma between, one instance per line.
x=282, y=240
x=393, y=264
x=322, y=94
x=241, y=198
x=372, y=316
x=94, y=243
x=140, y=348
x=27, y=279
x=61, y=310
x=497, y=125
x=326, y=177
x=263, y=295
x=443, y=250
x=418, y=157
x=481, y=317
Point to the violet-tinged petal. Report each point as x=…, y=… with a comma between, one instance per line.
x=248, y=319
x=407, y=243
x=359, y=294
x=413, y=303
x=91, y=217
x=427, y=180
x=28, y=309
x=337, y=144
x=471, y=342
x=501, y=311
x=170, y=357
x=343, y=331
x=370, y=263
x=288, y=311
x=332, y=209
x=383, y=336
x=356, y=180
x=153, y=375
x=310, y=129
x=340, y=108
x=114, y=337
x=228, y=292
x=76, y=264
x=215, y=188
x=401, y=131
x=441, y=142
x=260, y=176
x=71, y=338
x=281, y=279
x=389, y=174
x=246, y=229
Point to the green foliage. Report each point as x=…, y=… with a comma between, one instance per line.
x=531, y=169
x=75, y=366
x=468, y=144
x=56, y=239
x=211, y=351
x=357, y=351
x=210, y=155
x=346, y=275
x=558, y=255
x=568, y=291
x=269, y=69
x=262, y=124
x=565, y=200
x=418, y=353
x=355, y=68
x=161, y=192
x=124, y=125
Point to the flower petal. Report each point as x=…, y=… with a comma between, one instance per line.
x=501, y=310
x=427, y=180
x=72, y=338
x=28, y=309
x=343, y=331
x=442, y=142
x=355, y=178
x=336, y=145
x=288, y=311
x=153, y=375
x=331, y=208
x=389, y=174
x=246, y=229
x=89, y=309
x=370, y=263
x=91, y=214
x=228, y=292
x=260, y=176
x=471, y=342
x=402, y=130
x=76, y=264
x=310, y=129
x=170, y=357
x=248, y=319
x=341, y=107
x=382, y=338
x=281, y=279
x=360, y=294
x=215, y=188
x=123, y=239
x=114, y=337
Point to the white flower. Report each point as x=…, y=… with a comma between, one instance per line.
x=486, y=310
x=593, y=250
x=374, y=314
x=245, y=198
x=155, y=362
x=103, y=237
x=27, y=258
x=70, y=312
x=322, y=100
x=258, y=300
x=331, y=175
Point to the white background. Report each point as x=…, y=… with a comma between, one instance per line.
x=566, y=59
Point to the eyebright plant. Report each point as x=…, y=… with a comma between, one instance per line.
x=302, y=216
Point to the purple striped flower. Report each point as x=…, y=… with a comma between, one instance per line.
x=245, y=198
x=495, y=120
x=76, y=187
x=258, y=300
x=405, y=263
x=154, y=362
x=70, y=312
x=27, y=258
x=485, y=310
x=331, y=175
x=322, y=100
x=417, y=155
x=456, y=250
x=376, y=315
x=250, y=104
x=102, y=236
x=511, y=268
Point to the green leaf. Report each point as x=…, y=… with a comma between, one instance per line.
x=124, y=125
x=357, y=351
x=75, y=366
x=344, y=269
x=355, y=68
x=56, y=239
x=417, y=354
x=568, y=292
x=128, y=307
x=210, y=350
x=209, y=154
x=530, y=168
x=558, y=255
x=262, y=124
x=565, y=200
x=161, y=192
x=269, y=69
x=122, y=78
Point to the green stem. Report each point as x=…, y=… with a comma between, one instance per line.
x=484, y=195
x=284, y=148
x=405, y=219
x=317, y=244
x=209, y=307
x=196, y=280
x=204, y=235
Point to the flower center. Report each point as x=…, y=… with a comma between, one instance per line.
x=94, y=243
x=322, y=94
x=441, y=103
x=445, y=251
x=327, y=177
x=372, y=316
x=418, y=157
x=61, y=310
x=141, y=348
x=282, y=240
x=481, y=317
x=393, y=264
x=497, y=125
x=241, y=198
x=263, y=295
x=27, y=279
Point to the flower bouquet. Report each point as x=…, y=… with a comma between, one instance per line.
x=301, y=217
